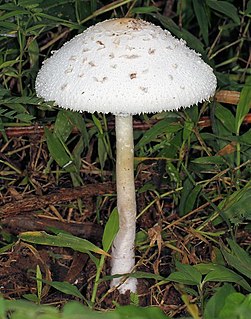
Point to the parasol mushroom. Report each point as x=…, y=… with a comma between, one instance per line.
x=125, y=66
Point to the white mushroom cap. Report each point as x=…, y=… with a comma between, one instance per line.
x=125, y=66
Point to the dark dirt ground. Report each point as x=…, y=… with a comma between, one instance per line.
x=31, y=199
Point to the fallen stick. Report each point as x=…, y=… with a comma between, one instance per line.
x=22, y=223
x=33, y=202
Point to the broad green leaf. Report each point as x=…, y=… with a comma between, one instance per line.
x=111, y=229
x=97, y=123
x=27, y=118
x=237, y=306
x=162, y=127
x=33, y=50
x=225, y=116
x=226, y=8
x=63, y=126
x=61, y=240
x=246, y=137
x=244, y=104
x=39, y=282
x=146, y=275
x=102, y=150
x=186, y=274
x=217, y=302
x=28, y=307
x=202, y=18
x=74, y=308
x=57, y=150
x=29, y=3
x=189, y=194
x=6, y=26
x=65, y=287
x=7, y=64
x=64, y=22
x=77, y=120
x=223, y=274
x=208, y=160
x=138, y=275
x=20, y=99
x=9, y=6
x=248, y=10
x=2, y=308
x=8, y=15
x=187, y=130
x=144, y=10
x=237, y=258
x=31, y=297
x=18, y=107
x=236, y=207
x=135, y=312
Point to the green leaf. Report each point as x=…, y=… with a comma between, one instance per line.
x=26, y=118
x=237, y=258
x=7, y=64
x=111, y=229
x=248, y=10
x=33, y=50
x=187, y=130
x=18, y=107
x=226, y=8
x=162, y=127
x=61, y=240
x=186, y=274
x=146, y=275
x=11, y=14
x=97, y=123
x=208, y=160
x=77, y=120
x=65, y=287
x=39, y=283
x=189, y=195
x=8, y=26
x=144, y=10
x=138, y=275
x=237, y=306
x=246, y=137
x=202, y=18
x=225, y=116
x=63, y=125
x=223, y=274
x=244, y=104
x=74, y=308
x=29, y=3
x=102, y=150
x=135, y=312
x=217, y=302
x=57, y=149
x=31, y=297
x=29, y=308
x=236, y=207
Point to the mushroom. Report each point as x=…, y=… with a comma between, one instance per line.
x=125, y=66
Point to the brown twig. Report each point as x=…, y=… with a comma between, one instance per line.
x=22, y=223
x=228, y=97
x=33, y=203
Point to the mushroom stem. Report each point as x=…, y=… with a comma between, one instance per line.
x=123, y=255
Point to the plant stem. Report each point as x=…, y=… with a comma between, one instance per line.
x=96, y=282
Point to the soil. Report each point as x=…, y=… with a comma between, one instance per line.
x=34, y=198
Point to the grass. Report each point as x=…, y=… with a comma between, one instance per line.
x=192, y=167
